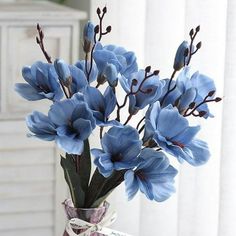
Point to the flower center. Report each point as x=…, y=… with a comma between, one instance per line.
x=117, y=157
x=140, y=175
x=178, y=144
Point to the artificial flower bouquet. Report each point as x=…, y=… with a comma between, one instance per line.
x=135, y=155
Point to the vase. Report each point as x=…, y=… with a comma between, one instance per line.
x=91, y=215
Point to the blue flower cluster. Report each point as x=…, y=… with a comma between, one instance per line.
x=139, y=151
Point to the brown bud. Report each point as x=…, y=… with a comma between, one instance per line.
x=96, y=29
x=191, y=32
x=191, y=105
x=108, y=29
x=199, y=45
x=156, y=72
x=198, y=28
x=218, y=99
x=211, y=93
x=38, y=27
x=134, y=82
x=98, y=11
x=202, y=113
x=37, y=40
x=104, y=9
x=148, y=69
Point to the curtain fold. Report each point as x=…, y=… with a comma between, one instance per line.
x=204, y=202
x=227, y=215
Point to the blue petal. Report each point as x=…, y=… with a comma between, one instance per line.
x=131, y=184
x=83, y=127
x=69, y=145
x=197, y=152
x=60, y=112
x=170, y=122
x=94, y=99
x=163, y=191
x=28, y=92
x=104, y=164
x=187, y=135
x=146, y=188
x=110, y=101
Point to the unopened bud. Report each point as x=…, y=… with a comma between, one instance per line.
x=148, y=69
x=199, y=45
x=191, y=105
x=37, y=40
x=191, y=32
x=156, y=72
x=198, y=28
x=218, y=99
x=211, y=93
x=88, y=36
x=108, y=29
x=96, y=29
x=63, y=72
x=98, y=11
x=180, y=56
x=134, y=82
x=202, y=113
x=104, y=9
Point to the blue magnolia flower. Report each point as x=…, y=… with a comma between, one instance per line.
x=154, y=176
x=124, y=61
x=101, y=105
x=189, y=88
x=171, y=131
x=41, y=126
x=42, y=82
x=94, y=71
x=120, y=149
x=201, y=83
x=141, y=93
x=71, y=76
x=69, y=123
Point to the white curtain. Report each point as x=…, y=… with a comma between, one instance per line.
x=204, y=203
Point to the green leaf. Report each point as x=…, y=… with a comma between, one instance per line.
x=95, y=187
x=100, y=187
x=73, y=180
x=85, y=166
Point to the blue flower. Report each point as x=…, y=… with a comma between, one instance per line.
x=101, y=105
x=71, y=76
x=141, y=91
x=171, y=131
x=41, y=126
x=154, y=176
x=125, y=62
x=69, y=123
x=189, y=88
x=94, y=71
x=42, y=82
x=120, y=149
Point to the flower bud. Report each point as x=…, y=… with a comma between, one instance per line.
x=110, y=72
x=63, y=72
x=180, y=56
x=88, y=36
